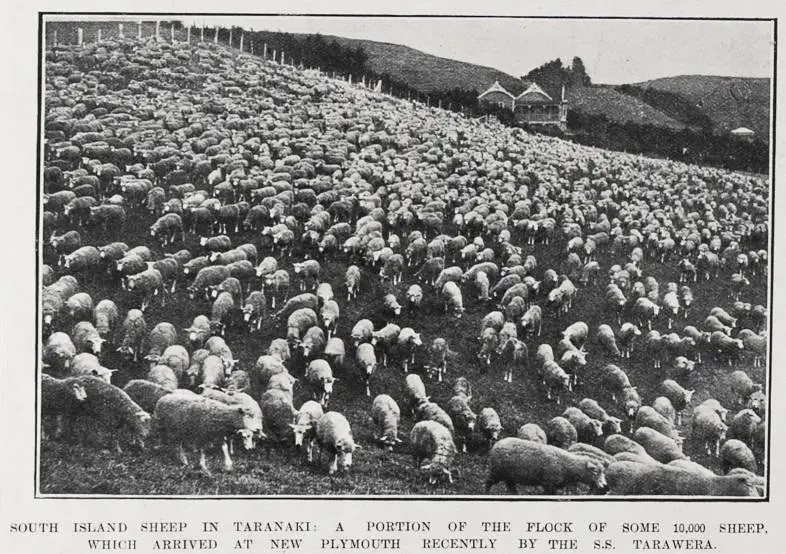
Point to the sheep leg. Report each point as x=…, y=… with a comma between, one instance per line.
x=333, y=468
x=181, y=455
x=203, y=463
x=227, y=459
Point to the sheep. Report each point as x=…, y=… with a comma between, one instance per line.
x=134, y=330
x=319, y=377
x=163, y=375
x=433, y=450
x=756, y=345
x=489, y=425
x=679, y=397
x=113, y=409
x=82, y=260
x=59, y=351
x=576, y=333
x=278, y=414
x=533, y=432
x=427, y=410
x=199, y=331
x=366, y=359
x=463, y=419
x=329, y=314
x=86, y=338
x=663, y=406
x=385, y=415
x=60, y=399
x=161, y=337
x=556, y=380
x=145, y=393
x=657, y=445
x=211, y=275
x=610, y=424
x=648, y=416
x=630, y=478
x=709, y=428
x=438, y=354
x=452, y=299
x=414, y=392
x=587, y=429
x=742, y=387
x=744, y=425
x=517, y=461
x=560, y=432
x=232, y=397
x=644, y=310
x=284, y=382
x=105, y=315
x=532, y=321
x=735, y=453
x=85, y=363
x=592, y=452
x=415, y=296
x=352, y=279
x=334, y=436
x=304, y=427
x=200, y=422
x=299, y=322
x=79, y=307
x=605, y=337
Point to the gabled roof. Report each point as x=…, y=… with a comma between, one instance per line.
x=534, y=94
x=742, y=131
x=496, y=87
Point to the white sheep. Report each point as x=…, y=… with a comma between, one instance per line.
x=433, y=450
x=385, y=415
x=334, y=436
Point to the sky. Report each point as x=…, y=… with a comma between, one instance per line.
x=613, y=51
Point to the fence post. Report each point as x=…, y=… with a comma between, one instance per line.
x=99, y=35
x=158, y=29
x=139, y=30
x=120, y=30
x=55, y=38
x=79, y=36
x=274, y=55
x=241, y=41
x=188, y=34
x=230, y=37
x=282, y=58
x=252, y=47
x=172, y=34
x=264, y=50
x=202, y=34
x=215, y=37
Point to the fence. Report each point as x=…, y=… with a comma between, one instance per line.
x=61, y=33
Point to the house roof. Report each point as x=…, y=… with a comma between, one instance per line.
x=534, y=94
x=742, y=131
x=496, y=87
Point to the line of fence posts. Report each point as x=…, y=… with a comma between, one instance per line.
x=157, y=36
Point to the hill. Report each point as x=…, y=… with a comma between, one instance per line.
x=619, y=107
x=729, y=102
x=426, y=72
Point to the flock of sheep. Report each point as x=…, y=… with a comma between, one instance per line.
x=267, y=203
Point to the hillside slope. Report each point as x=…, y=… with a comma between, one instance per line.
x=426, y=72
x=619, y=107
x=730, y=102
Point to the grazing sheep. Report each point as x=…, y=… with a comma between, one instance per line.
x=605, y=337
x=334, y=436
x=587, y=429
x=79, y=307
x=592, y=452
x=489, y=425
x=305, y=426
x=385, y=415
x=199, y=331
x=523, y=462
x=300, y=321
x=610, y=425
x=414, y=392
x=134, y=331
x=163, y=375
x=742, y=386
x=319, y=377
x=284, y=382
x=59, y=351
x=366, y=360
x=631, y=478
x=427, y=410
x=463, y=419
x=657, y=445
x=438, y=354
x=555, y=378
x=560, y=432
x=532, y=432
x=106, y=315
x=112, y=408
x=60, y=399
x=709, y=428
x=736, y=453
x=88, y=364
x=86, y=338
x=744, y=425
x=679, y=397
x=145, y=393
x=433, y=450
x=278, y=414
x=199, y=422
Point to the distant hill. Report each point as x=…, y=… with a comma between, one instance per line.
x=729, y=102
x=426, y=72
x=619, y=107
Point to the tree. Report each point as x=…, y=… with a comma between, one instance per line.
x=578, y=73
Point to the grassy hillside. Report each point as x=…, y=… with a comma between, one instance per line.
x=619, y=107
x=426, y=72
x=730, y=102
